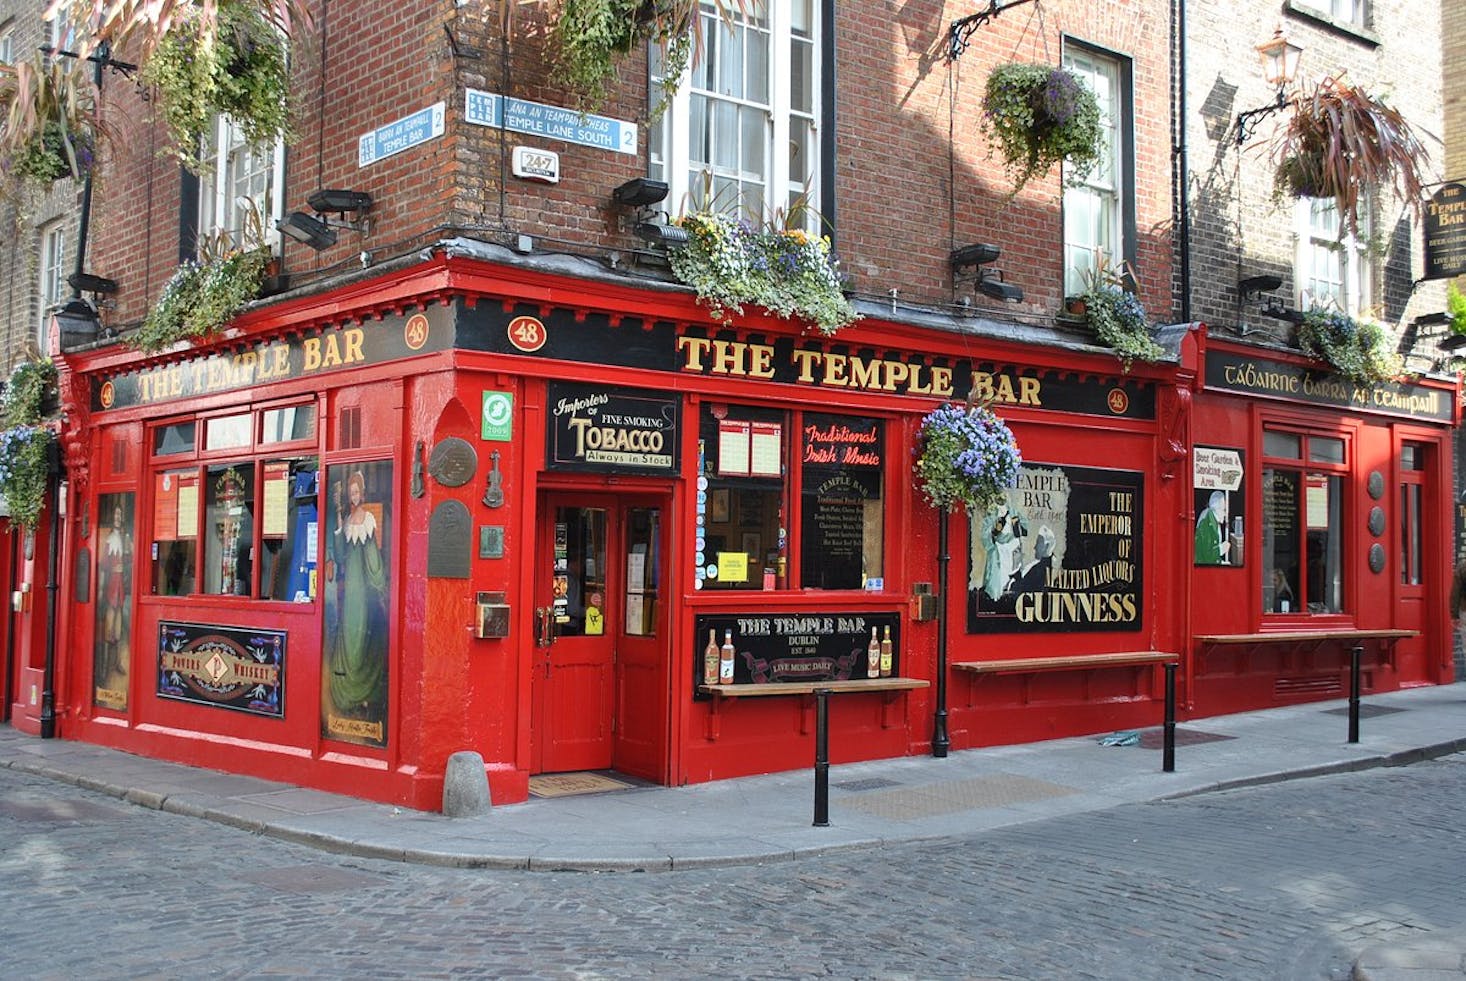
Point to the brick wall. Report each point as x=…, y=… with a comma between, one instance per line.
x=1238, y=227
x=899, y=209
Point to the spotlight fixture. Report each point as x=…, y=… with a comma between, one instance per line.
x=1253, y=286
x=320, y=233
x=990, y=283
x=88, y=283
x=307, y=230
x=977, y=254
x=1452, y=343
x=337, y=201
x=1438, y=319
x=640, y=192
x=1275, y=308
x=658, y=232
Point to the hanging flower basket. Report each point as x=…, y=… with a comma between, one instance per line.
x=966, y=455
x=1039, y=115
x=1118, y=320
x=24, y=469
x=786, y=271
x=239, y=69
x=47, y=120
x=1341, y=142
x=201, y=298
x=28, y=390
x=1359, y=350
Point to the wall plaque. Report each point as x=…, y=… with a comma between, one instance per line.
x=450, y=530
x=453, y=462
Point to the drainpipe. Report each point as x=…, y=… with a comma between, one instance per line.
x=1181, y=164
x=5, y=683
x=53, y=548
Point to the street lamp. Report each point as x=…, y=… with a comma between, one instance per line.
x=1279, y=57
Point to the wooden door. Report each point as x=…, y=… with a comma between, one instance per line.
x=600, y=689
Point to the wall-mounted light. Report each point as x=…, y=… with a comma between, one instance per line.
x=1279, y=58
x=84, y=282
x=661, y=233
x=989, y=281
x=1253, y=287
x=639, y=192
x=320, y=233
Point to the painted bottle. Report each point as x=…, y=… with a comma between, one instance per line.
x=725, y=661
x=873, y=656
x=888, y=655
x=710, y=659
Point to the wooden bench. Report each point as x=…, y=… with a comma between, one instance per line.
x=1069, y=662
x=888, y=687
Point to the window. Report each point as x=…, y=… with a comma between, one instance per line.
x=1332, y=271
x=1412, y=514
x=241, y=520
x=53, y=274
x=837, y=479
x=1303, y=481
x=1345, y=11
x=1095, y=220
x=61, y=29
x=754, y=89
x=7, y=45
x=240, y=194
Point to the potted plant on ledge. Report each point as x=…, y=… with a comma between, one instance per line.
x=1357, y=349
x=787, y=271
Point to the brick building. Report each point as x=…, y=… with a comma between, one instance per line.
x=482, y=475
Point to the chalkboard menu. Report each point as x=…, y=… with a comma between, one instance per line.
x=791, y=647
x=841, y=459
x=1280, y=518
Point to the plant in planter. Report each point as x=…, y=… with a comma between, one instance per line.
x=24, y=442
x=48, y=111
x=1456, y=309
x=239, y=69
x=201, y=298
x=1039, y=115
x=1359, y=350
x=1342, y=142
x=786, y=271
x=966, y=456
x=1114, y=313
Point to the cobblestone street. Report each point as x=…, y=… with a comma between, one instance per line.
x=1288, y=881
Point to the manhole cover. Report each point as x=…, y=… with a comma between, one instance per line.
x=870, y=783
x=1156, y=738
x=1366, y=711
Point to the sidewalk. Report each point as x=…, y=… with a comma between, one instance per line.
x=770, y=818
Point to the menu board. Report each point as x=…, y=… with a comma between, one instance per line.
x=798, y=646
x=841, y=483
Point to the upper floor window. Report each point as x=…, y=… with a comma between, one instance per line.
x=7, y=45
x=241, y=189
x=1346, y=11
x=53, y=273
x=61, y=29
x=1094, y=209
x=1332, y=268
x=740, y=134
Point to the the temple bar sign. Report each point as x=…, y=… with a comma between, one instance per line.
x=1445, y=232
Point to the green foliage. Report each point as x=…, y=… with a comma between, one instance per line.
x=588, y=39
x=967, y=456
x=56, y=153
x=201, y=298
x=239, y=70
x=786, y=271
x=47, y=119
x=1118, y=320
x=23, y=471
x=1039, y=115
x=1357, y=349
x=25, y=391
x=1456, y=308
x=1341, y=143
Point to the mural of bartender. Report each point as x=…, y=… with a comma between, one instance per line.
x=1211, y=531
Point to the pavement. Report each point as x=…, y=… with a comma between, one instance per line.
x=756, y=820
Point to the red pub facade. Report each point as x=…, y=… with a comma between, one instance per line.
x=479, y=492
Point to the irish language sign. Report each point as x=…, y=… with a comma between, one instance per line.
x=537, y=119
x=1062, y=553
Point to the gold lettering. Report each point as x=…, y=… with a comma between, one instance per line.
x=727, y=358
x=865, y=374
x=1029, y=391
x=941, y=381
x=807, y=361
x=311, y=348
x=354, y=338
x=693, y=349
x=835, y=365
x=762, y=361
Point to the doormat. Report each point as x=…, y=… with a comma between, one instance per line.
x=570, y=784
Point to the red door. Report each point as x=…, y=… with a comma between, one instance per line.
x=600, y=684
x=1416, y=532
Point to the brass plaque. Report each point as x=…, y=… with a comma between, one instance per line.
x=450, y=534
x=453, y=462
x=83, y=575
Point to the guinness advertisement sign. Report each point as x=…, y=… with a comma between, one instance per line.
x=612, y=430
x=1251, y=375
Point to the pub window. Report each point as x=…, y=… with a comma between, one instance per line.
x=1412, y=515
x=743, y=514
x=1303, y=481
x=237, y=522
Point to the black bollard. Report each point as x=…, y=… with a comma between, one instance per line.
x=822, y=757
x=1168, y=752
x=1355, y=653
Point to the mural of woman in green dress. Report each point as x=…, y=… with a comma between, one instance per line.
x=354, y=677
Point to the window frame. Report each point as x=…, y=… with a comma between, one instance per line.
x=51, y=274
x=792, y=493
x=1305, y=465
x=669, y=138
x=255, y=457
x=1348, y=251
x=219, y=211
x=1113, y=181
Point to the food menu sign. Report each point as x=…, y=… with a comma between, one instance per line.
x=793, y=647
